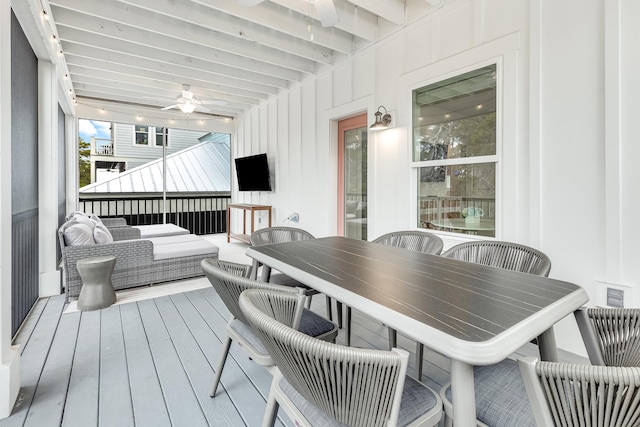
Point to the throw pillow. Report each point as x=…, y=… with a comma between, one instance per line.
x=78, y=233
x=101, y=234
x=95, y=218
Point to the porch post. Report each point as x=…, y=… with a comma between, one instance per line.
x=9, y=355
x=48, y=176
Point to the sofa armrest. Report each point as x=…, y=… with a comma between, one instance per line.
x=114, y=222
x=124, y=233
x=128, y=253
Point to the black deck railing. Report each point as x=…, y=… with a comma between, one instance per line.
x=200, y=213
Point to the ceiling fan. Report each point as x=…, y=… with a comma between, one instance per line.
x=325, y=9
x=187, y=103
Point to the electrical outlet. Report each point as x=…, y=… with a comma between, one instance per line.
x=615, y=297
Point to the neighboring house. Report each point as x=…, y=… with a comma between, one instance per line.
x=200, y=167
x=132, y=145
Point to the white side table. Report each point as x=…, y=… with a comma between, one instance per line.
x=97, y=290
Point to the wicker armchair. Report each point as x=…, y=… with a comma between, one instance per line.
x=229, y=280
x=611, y=335
x=413, y=240
x=510, y=256
x=530, y=393
x=320, y=384
x=270, y=235
x=506, y=255
x=564, y=394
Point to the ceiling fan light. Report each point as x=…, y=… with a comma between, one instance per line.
x=187, y=107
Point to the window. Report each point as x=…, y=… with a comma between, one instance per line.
x=142, y=135
x=162, y=137
x=454, y=152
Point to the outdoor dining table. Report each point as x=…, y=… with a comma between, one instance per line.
x=473, y=314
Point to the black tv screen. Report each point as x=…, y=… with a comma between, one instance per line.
x=253, y=173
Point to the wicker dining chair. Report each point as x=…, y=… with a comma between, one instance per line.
x=530, y=393
x=506, y=255
x=323, y=384
x=611, y=335
x=271, y=235
x=229, y=280
x=413, y=240
x=564, y=394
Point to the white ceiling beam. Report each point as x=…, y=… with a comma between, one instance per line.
x=354, y=20
x=114, y=111
x=92, y=66
x=391, y=10
x=167, y=94
x=85, y=89
x=286, y=21
x=90, y=24
x=197, y=14
x=173, y=30
x=134, y=105
x=151, y=58
x=165, y=88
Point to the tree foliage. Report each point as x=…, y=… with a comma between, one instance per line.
x=84, y=162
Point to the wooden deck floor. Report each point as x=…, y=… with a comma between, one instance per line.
x=150, y=363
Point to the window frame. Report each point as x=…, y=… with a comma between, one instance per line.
x=165, y=135
x=135, y=134
x=494, y=158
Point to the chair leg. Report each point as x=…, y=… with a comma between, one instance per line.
x=448, y=422
x=329, y=310
x=347, y=328
x=419, y=357
x=339, y=311
x=223, y=358
x=271, y=410
x=393, y=338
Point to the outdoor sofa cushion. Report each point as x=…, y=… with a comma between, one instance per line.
x=169, y=247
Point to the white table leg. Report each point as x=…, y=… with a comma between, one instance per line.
x=463, y=394
x=547, y=346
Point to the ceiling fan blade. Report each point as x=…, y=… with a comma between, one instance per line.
x=203, y=109
x=248, y=3
x=170, y=107
x=327, y=13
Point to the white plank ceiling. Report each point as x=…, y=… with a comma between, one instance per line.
x=142, y=52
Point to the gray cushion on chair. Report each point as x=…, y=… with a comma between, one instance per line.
x=313, y=324
x=245, y=331
x=501, y=398
x=416, y=401
x=310, y=324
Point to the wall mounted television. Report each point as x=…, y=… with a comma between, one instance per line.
x=253, y=173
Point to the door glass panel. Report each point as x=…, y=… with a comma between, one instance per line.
x=355, y=183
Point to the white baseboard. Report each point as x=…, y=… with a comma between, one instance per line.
x=9, y=381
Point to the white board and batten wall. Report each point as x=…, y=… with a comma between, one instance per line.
x=566, y=135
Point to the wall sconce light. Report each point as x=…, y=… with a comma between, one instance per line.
x=382, y=120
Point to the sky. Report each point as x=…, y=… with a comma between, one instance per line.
x=89, y=128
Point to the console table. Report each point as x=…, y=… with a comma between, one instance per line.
x=245, y=207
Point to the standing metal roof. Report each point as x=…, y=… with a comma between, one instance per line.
x=204, y=167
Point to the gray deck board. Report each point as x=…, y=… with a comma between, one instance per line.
x=149, y=408
x=29, y=324
x=115, y=406
x=219, y=410
x=182, y=404
x=81, y=407
x=34, y=356
x=52, y=387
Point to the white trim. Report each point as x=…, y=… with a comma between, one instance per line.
x=9, y=355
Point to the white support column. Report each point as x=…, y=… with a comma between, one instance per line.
x=71, y=150
x=48, y=176
x=9, y=355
